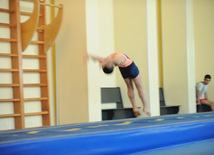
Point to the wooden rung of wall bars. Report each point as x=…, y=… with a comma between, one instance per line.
x=51, y=5
x=45, y=4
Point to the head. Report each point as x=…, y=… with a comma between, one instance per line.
x=107, y=66
x=207, y=79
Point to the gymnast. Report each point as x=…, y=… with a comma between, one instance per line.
x=130, y=74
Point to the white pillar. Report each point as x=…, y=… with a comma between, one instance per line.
x=106, y=38
x=152, y=38
x=92, y=28
x=100, y=41
x=190, y=57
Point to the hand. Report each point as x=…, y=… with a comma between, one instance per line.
x=85, y=58
x=198, y=103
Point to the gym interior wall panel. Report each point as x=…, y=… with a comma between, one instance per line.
x=31, y=78
x=174, y=53
x=32, y=92
x=5, y=4
x=5, y=32
x=6, y=93
x=160, y=54
x=33, y=121
x=71, y=71
x=7, y=123
x=32, y=106
x=130, y=29
x=31, y=50
x=5, y=18
x=5, y=62
x=204, y=39
x=5, y=77
x=6, y=108
x=5, y=47
x=29, y=63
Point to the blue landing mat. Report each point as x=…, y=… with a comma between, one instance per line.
x=128, y=136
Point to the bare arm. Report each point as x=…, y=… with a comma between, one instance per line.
x=112, y=59
x=206, y=96
x=198, y=97
x=95, y=58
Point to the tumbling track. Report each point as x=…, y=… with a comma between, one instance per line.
x=180, y=134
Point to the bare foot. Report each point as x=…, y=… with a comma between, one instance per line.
x=147, y=111
x=136, y=112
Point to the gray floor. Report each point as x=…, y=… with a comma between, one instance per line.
x=205, y=147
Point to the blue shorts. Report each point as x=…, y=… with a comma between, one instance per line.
x=130, y=71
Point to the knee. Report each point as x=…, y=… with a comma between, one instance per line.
x=140, y=90
x=141, y=95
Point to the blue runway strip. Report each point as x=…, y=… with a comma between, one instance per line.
x=128, y=136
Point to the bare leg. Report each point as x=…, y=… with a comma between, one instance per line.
x=142, y=94
x=207, y=102
x=130, y=88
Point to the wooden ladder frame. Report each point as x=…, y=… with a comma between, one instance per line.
x=16, y=60
x=20, y=38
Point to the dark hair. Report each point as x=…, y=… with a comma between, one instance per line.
x=108, y=70
x=207, y=76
